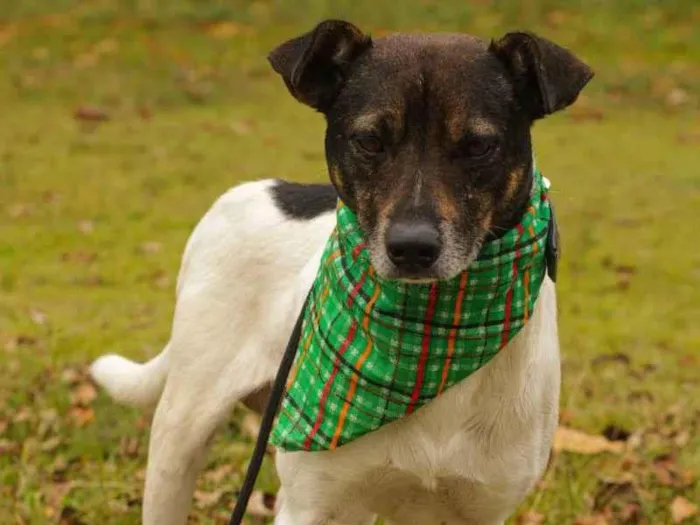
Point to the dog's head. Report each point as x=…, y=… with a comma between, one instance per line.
x=428, y=136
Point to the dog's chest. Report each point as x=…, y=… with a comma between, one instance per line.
x=441, y=469
x=468, y=456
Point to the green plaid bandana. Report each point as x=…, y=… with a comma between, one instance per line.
x=373, y=351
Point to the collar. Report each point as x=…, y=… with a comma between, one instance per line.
x=373, y=350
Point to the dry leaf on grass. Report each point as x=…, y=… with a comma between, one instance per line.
x=8, y=447
x=530, y=517
x=578, y=442
x=223, y=30
x=51, y=444
x=82, y=416
x=84, y=394
x=150, y=247
x=218, y=474
x=71, y=376
x=682, y=509
x=205, y=499
x=86, y=227
x=37, y=316
x=593, y=519
x=91, y=114
x=129, y=446
x=669, y=473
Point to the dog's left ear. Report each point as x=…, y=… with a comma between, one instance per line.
x=314, y=65
x=547, y=77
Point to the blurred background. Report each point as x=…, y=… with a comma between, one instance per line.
x=121, y=122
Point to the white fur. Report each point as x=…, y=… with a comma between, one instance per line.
x=468, y=457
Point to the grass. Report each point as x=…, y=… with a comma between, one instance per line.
x=94, y=217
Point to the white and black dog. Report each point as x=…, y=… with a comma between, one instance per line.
x=428, y=142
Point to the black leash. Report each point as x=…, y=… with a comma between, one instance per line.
x=268, y=419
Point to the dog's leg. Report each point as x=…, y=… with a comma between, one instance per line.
x=291, y=512
x=316, y=490
x=194, y=403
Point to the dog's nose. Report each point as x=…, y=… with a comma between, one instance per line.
x=413, y=246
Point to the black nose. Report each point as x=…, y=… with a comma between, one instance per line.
x=413, y=246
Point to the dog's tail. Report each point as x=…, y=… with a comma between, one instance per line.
x=131, y=383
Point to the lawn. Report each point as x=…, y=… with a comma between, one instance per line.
x=122, y=122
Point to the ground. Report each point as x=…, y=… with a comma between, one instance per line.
x=121, y=123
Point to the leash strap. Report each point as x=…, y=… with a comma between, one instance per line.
x=552, y=248
x=273, y=404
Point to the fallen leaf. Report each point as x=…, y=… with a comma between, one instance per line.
x=7, y=33
x=71, y=376
x=84, y=394
x=682, y=438
x=107, y=46
x=565, y=416
x=8, y=447
x=145, y=112
x=150, y=247
x=37, y=316
x=48, y=419
x=691, y=137
x=91, y=114
x=160, y=278
x=586, y=114
x=23, y=414
x=79, y=256
x=578, y=442
x=129, y=446
x=208, y=499
x=86, y=227
x=593, y=519
x=82, y=416
x=243, y=127
x=222, y=30
x=677, y=97
x=51, y=444
x=617, y=357
x=530, y=517
x=682, y=509
x=19, y=210
x=669, y=473
x=218, y=474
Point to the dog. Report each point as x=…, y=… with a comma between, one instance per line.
x=428, y=142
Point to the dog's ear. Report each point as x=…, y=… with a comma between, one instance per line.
x=314, y=65
x=547, y=77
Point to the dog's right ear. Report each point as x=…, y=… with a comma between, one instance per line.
x=314, y=65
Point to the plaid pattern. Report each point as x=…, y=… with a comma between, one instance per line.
x=373, y=351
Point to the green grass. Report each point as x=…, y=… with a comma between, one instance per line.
x=94, y=217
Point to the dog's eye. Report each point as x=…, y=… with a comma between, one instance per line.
x=476, y=148
x=369, y=143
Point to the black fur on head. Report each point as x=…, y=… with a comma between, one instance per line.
x=428, y=135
